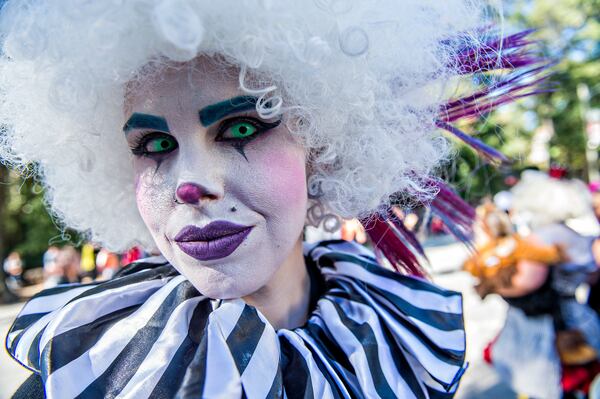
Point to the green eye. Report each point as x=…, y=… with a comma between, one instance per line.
x=241, y=130
x=160, y=144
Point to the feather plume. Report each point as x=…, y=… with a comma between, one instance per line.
x=523, y=74
x=489, y=153
x=396, y=248
x=528, y=75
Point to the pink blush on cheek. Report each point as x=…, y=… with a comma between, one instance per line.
x=143, y=205
x=154, y=198
x=284, y=176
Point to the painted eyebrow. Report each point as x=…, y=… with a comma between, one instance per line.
x=145, y=121
x=212, y=113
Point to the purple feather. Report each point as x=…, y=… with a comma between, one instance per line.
x=509, y=52
x=463, y=236
x=406, y=234
x=497, y=54
x=448, y=195
x=505, y=91
x=393, y=248
x=499, y=86
x=486, y=151
x=456, y=214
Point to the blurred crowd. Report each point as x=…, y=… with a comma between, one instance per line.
x=67, y=264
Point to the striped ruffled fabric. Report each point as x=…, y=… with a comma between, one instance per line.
x=149, y=333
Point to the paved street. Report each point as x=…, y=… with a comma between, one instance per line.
x=483, y=320
x=11, y=374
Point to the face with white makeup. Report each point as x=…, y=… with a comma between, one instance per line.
x=222, y=191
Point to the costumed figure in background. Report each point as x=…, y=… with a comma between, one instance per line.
x=211, y=133
x=499, y=251
x=594, y=296
x=549, y=338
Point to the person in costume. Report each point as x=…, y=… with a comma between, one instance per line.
x=210, y=133
x=594, y=295
x=497, y=263
x=508, y=264
x=548, y=338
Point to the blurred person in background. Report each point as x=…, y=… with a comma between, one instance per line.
x=107, y=263
x=594, y=188
x=503, y=200
x=353, y=230
x=529, y=352
x=88, y=263
x=53, y=275
x=131, y=255
x=13, y=267
x=68, y=261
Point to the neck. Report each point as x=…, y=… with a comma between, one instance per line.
x=284, y=300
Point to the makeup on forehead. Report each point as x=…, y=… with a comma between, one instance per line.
x=214, y=112
x=145, y=121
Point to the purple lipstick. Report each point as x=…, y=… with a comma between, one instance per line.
x=216, y=240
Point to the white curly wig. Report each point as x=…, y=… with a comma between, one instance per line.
x=365, y=78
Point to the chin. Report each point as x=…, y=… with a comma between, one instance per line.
x=228, y=278
x=216, y=284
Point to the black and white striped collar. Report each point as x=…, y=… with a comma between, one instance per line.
x=149, y=333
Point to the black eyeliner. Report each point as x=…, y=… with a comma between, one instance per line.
x=139, y=147
x=240, y=143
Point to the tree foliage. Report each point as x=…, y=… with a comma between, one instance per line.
x=568, y=32
x=27, y=227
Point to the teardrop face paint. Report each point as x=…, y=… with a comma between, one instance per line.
x=238, y=160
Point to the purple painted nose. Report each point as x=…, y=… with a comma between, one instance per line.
x=189, y=193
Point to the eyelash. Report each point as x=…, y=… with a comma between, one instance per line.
x=261, y=127
x=139, y=146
